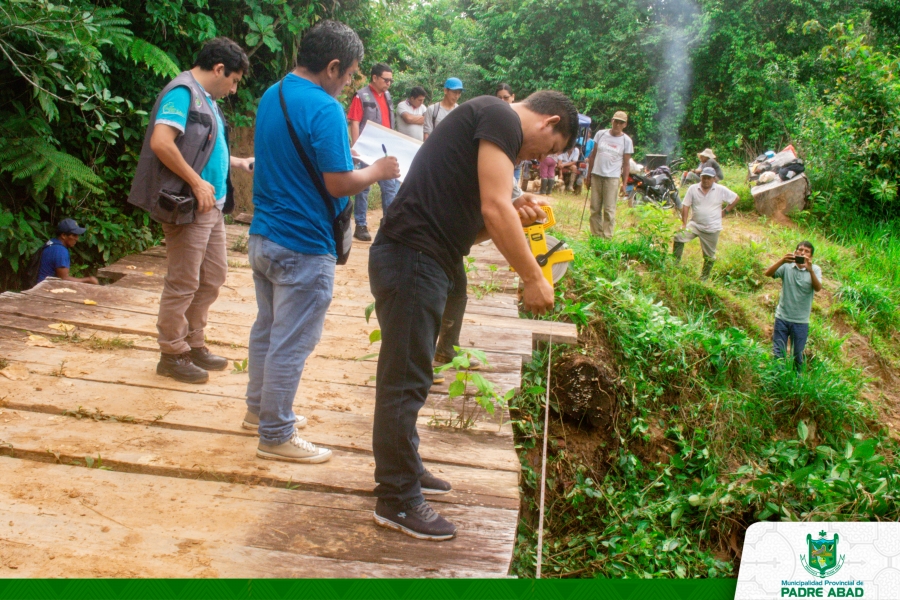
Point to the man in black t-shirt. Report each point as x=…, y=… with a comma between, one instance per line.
x=457, y=193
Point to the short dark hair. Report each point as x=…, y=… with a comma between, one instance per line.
x=504, y=87
x=379, y=69
x=327, y=41
x=224, y=51
x=548, y=102
x=805, y=244
x=416, y=91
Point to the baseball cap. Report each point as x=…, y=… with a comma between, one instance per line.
x=69, y=226
x=708, y=172
x=621, y=115
x=453, y=83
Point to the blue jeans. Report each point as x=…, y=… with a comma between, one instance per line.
x=796, y=332
x=293, y=292
x=388, y=188
x=410, y=290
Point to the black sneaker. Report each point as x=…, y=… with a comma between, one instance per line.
x=180, y=367
x=362, y=233
x=205, y=359
x=433, y=485
x=420, y=522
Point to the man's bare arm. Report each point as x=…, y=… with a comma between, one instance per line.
x=63, y=273
x=503, y=225
x=348, y=183
x=413, y=119
x=354, y=132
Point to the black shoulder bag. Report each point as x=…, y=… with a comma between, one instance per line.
x=340, y=226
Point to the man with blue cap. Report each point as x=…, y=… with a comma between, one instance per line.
x=54, y=259
x=453, y=89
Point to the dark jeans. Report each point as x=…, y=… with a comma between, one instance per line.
x=410, y=290
x=796, y=332
x=454, y=311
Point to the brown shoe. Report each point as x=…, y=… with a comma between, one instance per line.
x=205, y=359
x=180, y=367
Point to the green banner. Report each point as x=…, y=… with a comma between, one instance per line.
x=361, y=589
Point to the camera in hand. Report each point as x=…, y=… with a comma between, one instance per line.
x=799, y=259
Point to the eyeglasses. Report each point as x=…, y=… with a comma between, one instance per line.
x=384, y=79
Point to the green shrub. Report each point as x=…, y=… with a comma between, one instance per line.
x=868, y=306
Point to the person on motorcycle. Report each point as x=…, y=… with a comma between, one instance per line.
x=707, y=159
x=608, y=166
x=704, y=202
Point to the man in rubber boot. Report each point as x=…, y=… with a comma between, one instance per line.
x=185, y=153
x=704, y=203
x=456, y=194
x=292, y=245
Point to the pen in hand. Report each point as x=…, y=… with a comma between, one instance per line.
x=385, y=150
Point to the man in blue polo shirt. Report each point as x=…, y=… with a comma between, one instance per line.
x=292, y=248
x=55, y=253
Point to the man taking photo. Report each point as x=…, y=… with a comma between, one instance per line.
x=800, y=280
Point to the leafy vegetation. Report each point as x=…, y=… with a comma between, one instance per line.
x=709, y=433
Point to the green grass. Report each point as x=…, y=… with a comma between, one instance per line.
x=711, y=433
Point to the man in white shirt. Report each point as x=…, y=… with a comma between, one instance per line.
x=411, y=114
x=567, y=163
x=704, y=202
x=608, y=166
x=453, y=89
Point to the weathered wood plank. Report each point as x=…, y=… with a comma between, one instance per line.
x=485, y=448
x=71, y=521
x=186, y=454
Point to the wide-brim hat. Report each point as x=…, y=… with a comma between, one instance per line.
x=708, y=153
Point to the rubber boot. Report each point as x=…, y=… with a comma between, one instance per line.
x=677, y=250
x=707, y=268
x=570, y=181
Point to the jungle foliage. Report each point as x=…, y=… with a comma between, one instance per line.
x=79, y=77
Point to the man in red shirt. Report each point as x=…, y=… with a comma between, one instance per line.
x=372, y=103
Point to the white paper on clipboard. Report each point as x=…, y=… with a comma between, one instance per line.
x=401, y=146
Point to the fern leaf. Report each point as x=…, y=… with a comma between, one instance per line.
x=144, y=52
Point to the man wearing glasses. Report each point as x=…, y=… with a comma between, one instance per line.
x=372, y=103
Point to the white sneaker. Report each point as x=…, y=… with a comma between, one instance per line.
x=251, y=421
x=295, y=449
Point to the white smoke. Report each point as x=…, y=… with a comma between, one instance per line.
x=678, y=27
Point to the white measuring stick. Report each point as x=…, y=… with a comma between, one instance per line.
x=540, y=543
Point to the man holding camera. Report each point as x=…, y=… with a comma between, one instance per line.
x=183, y=180
x=800, y=280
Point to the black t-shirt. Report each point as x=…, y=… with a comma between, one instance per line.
x=438, y=207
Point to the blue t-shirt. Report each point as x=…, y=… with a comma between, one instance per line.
x=173, y=111
x=287, y=206
x=54, y=256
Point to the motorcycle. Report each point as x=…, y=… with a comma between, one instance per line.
x=657, y=186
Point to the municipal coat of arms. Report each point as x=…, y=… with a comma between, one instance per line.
x=823, y=555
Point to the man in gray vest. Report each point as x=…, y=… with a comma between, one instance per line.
x=183, y=181
x=372, y=103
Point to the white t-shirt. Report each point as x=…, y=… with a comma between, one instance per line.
x=706, y=210
x=570, y=156
x=434, y=115
x=413, y=131
x=610, y=152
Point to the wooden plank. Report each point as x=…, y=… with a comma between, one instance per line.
x=186, y=454
x=348, y=333
x=485, y=448
x=71, y=521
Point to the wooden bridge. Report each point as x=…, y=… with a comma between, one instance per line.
x=108, y=470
